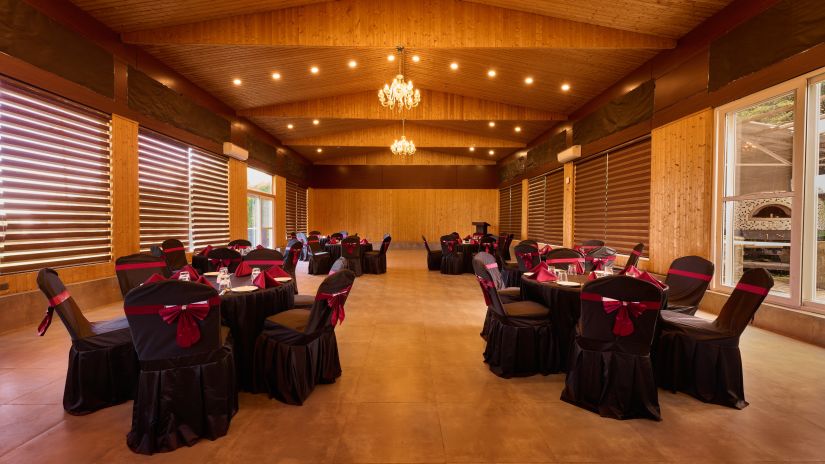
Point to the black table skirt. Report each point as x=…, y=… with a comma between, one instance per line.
x=469, y=251
x=244, y=314
x=335, y=251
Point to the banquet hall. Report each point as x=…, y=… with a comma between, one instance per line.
x=412, y=231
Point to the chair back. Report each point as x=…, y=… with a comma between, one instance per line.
x=337, y=236
x=561, y=258
x=293, y=254
x=532, y=243
x=264, y=258
x=633, y=258
x=488, y=285
x=588, y=245
x=240, y=244
x=527, y=255
x=620, y=312
x=61, y=301
x=340, y=263
x=426, y=244
x=743, y=302
x=490, y=263
x=449, y=244
x=175, y=253
x=597, y=257
x=133, y=270
x=220, y=257
x=687, y=279
x=315, y=232
x=351, y=248
x=488, y=244
x=314, y=244
x=173, y=318
x=328, y=308
x=385, y=245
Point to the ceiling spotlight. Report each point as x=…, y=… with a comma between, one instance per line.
x=491, y=73
x=416, y=58
x=316, y=122
x=319, y=150
x=491, y=124
x=528, y=80
x=472, y=148
x=390, y=57
x=517, y=128
x=492, y=152
x=565, y=87
x=276, y=76
x=453, y=66
x=290, y=126
x=353, y=63
x=236, y=81
x=314, y=70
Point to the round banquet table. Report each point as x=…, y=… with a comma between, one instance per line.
x=334, y=250
x=244, y=313
x=469, y=250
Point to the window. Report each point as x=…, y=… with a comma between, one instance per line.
x=536, y=190
x=259, y=208
x=208, y=198
x=296, y=208
x=55, y=198
x=509, y=207
x=545, y=208
x=815, y=236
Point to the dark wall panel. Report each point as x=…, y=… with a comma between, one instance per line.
x=412, y=177
x=27, y=34
x=620, y=113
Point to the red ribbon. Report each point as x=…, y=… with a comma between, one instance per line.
x=130, y=266
x=487, y=246
x=47, y=319
x=336, y=302
x=265, y=262
x=350, y=248
x=295, y=256
x=223, y=262
x=692, y=275
x=486, y=284
x=172, y=250
x=623, y=326
x=636, y=252
x=205, y=251
x=577, y=261
x=188, y=332
x=755, y=289
x=492, y=266
x=450, y=245
x=546, y=249
x=528, y=256
x=598, y=263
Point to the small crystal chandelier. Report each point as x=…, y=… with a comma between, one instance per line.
x=399, y=95
x=403, y=147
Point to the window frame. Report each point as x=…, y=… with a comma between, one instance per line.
x=263, y=196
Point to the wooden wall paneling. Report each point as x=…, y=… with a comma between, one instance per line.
x=569, y=189
x=237, y=199
x=125, y=207
x=280, y=211
x=421, y=157
x=681, y=190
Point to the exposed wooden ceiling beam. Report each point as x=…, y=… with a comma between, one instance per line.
x=383, y=136
x=435, y=106
x=386, y=23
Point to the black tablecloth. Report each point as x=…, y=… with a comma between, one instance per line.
x=200, y=263
x=334, y=251
x=469, y=250
x=244, y=314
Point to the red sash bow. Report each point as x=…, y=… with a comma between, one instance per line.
x=599, y=263
x=350, y=247
x=223, y=262
x=528, y=256
x=450, y=245
x=623, y=326
x=486, y=284
x=172, y=250
x=188, y=332
x=576, y=261
x=487, y=246
x=336, y=302
x=205, y=251
x=47, y=319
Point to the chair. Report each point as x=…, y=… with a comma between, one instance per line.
x=597, y=258
x=133, y=270
x=527, y=255
x=610, y=368
x=103, y=366
x=306, y=301
x=506, y=251
x=293, y=255
x=563, y=258
x=223, y=257
x=175, y=253
x=264, y=258
x=488, y=244
x=530, y=242
x=588, y=245
x=351, y=250
x=302, y=237
x=633, y=258
x=701, y=357
x=239, y=244
x=314, y=232
x=519, y=334
x=339, y=264
x=319, y=260
x=337, y=236
x=452, y=260
x=433, y=256
x=297, y=348
x=186, y=389
x=375, y=262
x=507, y=294
x=688, y=279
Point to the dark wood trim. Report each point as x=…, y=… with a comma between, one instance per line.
x=404, y=177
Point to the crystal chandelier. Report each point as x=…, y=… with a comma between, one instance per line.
x=399, y=95
x=403, y=147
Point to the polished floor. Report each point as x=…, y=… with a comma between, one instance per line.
x=415, y=390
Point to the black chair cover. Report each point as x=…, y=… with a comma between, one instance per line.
x=319, y=260
x=633, y=258
x=302, y=237
x=562, y=258
x=264, y=258
x=433, y=256
x=488, y=244
x=527, y=255
x=175, y=253
x=239, y=244
x=701, y=357
x=375, y=262
x=337, y=236
x=351, y=250
x=187, y=387
x=339, y=264
x=103, y=367
x=315, y=232
x=611, y=372
x=596, y=258
x=519, y=335
x=155, y=251
x=507, y=294
x=452, y=260
x=297, y=348
x=688, y=279
x=223, y=257
x=506, y=251
x=133, y=270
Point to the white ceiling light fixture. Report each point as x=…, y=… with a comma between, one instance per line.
x=399, y=95
x=403, y=147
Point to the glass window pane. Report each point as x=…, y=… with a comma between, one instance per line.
x=266, y=238
x=266, y=213
x=819, y=186
x=252, y=219
x=760, y=155
x=259, y=181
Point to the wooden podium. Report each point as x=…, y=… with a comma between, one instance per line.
x=481, y=227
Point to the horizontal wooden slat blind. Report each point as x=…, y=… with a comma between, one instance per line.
x=163, y=177
x=301, y=209
x=628, y=196
x=296, y=208
x=554, y=208
x=209, y=198
x=536, y=229
x=510, y=210
x=55, y=199
x=590, y=200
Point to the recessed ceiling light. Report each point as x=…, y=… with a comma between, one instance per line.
x=316, y=122
x=491, y=73
x=353, y=63
x=314, y=70
x=565, y=87
x=492, y=152
x=453, y=66
x=491, y=124
x=319, y=150
x=290, y=126
x=517, y=128
x=416, y=58
x=528, y=80
x=390, y=57
x=276, y=76
x=236, y=81
x=472, y=148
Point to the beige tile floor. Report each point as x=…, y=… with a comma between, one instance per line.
x=415, y=389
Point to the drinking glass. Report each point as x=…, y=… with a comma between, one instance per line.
x=571, y=269
x=184, y=275
x=256, y=271
x=561, y=276
x=608, y=268
x=224, y=284
x=223, y=272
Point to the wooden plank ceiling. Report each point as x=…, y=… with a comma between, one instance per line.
x=586, y=44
